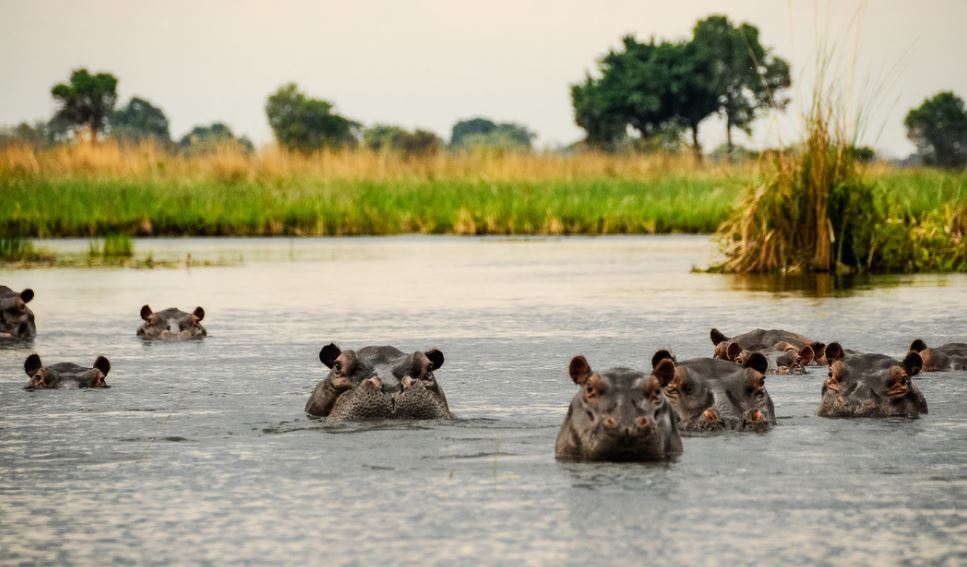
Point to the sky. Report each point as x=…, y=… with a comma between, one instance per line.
x=429, y=63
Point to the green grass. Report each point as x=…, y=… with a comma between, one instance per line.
x=90, y=207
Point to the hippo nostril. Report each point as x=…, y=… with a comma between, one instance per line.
x=756, y=416
x=610, y=422
x=408, y=382
x=711, y=415
x=374, y=382
x=643, y=422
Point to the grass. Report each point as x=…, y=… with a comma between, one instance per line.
x=139, y=191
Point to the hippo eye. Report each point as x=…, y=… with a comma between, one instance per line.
x=337, y=367
x=687, y=388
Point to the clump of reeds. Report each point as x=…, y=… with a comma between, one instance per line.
x=815, y=211
x=16, y=250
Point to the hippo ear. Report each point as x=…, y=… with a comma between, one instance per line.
x=808, y=354
x=665, y=371
x=328, y=354
x=834, y=351
x=436, y=358
x=913, y=363
x=918, y=345
x=32, y=364
x=199, y=313
x=758, y=362
x=102, y=364
x=733, y=350
x=660, y=355
x=146, y=312
x=26, y=295
x=579, y=369
x=819, y=350
x=717, y=336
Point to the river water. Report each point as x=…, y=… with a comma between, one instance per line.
x=200, y=452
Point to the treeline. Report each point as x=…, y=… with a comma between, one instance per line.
x=644, y=96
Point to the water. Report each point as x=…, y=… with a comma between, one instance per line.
x=201, y=452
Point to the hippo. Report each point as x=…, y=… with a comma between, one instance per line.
x=378, y=382
x=710, y=394
x=799, y=350
x=951, y=356
x=171, y=323
x=16, y=319
x=619, y=414
x=871, y=385
x=65, y=374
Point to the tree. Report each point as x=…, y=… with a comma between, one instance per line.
x=86, y=101
x=213, y=136
x=938, y=128
x=307, y=124
x=39, y=134
x=482, y=132
x=140, y=120
x=387, y=138
x=745, y=77
x=654, y=88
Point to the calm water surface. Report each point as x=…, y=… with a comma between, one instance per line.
x=200, y=452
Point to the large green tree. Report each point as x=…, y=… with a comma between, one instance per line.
x=938, y=128
x=746, y=77
x=388, y=138
x=86, y=101
x=307, y=124
x=654, y=88
x=139, y=120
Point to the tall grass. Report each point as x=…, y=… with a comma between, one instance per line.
x=817, y=210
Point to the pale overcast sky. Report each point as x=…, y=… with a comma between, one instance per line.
x=428, y=63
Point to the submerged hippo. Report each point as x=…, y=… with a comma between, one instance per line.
x=172, y=323
x=871, y=385
x=378, y=382
x=951, y=356
x=618, y=415
x=710, y=394
x=797, y=350
x=16, y=319
x=65, y=374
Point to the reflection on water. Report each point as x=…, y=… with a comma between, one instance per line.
x=200, y=451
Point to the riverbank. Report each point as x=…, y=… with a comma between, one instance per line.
x=80, y=191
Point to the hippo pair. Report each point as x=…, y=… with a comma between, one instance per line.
x=167, y=324
x=787, y=352
x=627, y=415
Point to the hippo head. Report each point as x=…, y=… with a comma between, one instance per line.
x=710, y=394
x=951, y=356
x=172, y=323
x=16, y=319
x=793, y=360
x=871, y=385
x=65, y=374
x=379, y=382
x=618, y=415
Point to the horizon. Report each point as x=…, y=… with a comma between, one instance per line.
x=443, y=63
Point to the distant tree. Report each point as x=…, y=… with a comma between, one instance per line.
x=307, y=124
x=745, y=76
x=86, y=101
x=140, y=120
x=938, y=128
x=484, y=133
x=213, y=136
x=39, y=134
x=383, y=137
x=387, y=138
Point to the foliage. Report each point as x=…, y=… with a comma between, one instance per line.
x=37, y=135
x=387, y=138
x=485, y=133
x=86, y=101
x=213, y=137
x=307, y=124
x=745, y=77
x=139, y=121
x=112, y=247
x=938, y=128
